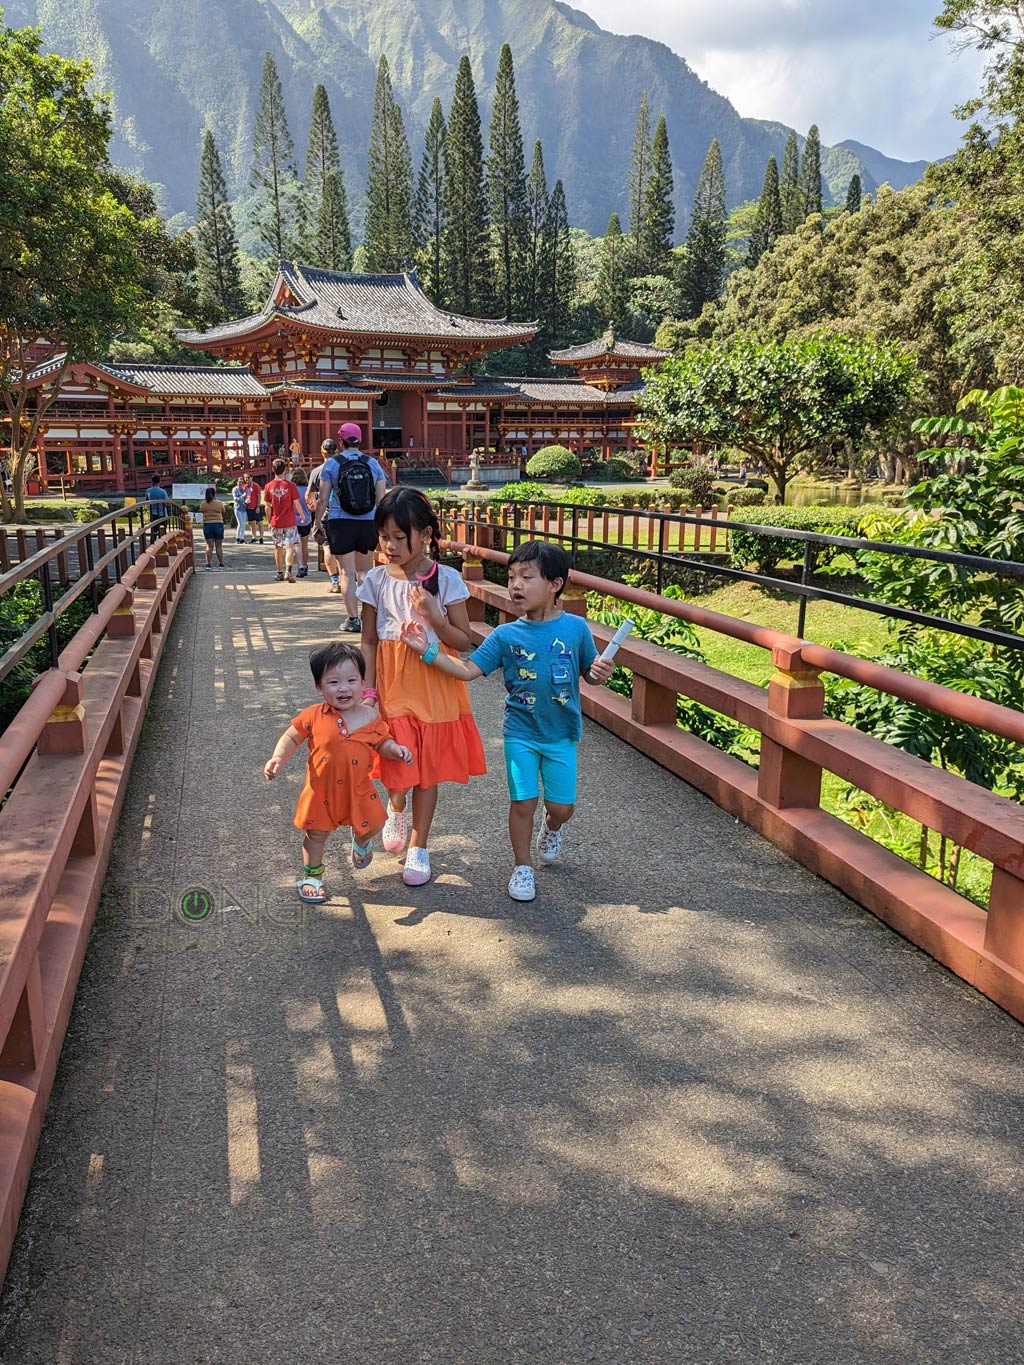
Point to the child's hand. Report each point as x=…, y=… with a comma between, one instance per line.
x=601, y=670
x=271, y=768
x=426, y=604
x=415, y=637
x=402, y=754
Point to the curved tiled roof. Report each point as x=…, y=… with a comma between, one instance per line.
x=545, y=392
x=372, y=305
x=608, y=345
x=191, y=381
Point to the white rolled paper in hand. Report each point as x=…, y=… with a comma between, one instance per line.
x=612, y=647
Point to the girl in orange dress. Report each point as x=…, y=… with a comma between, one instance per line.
x=344, y=737
x=426, y=710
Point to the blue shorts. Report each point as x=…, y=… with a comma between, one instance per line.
x=214, y=530
x=528, y=763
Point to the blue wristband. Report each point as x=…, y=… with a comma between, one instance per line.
x=431, y=652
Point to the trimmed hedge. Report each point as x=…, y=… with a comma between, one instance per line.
x=554, y=462
x=767, y=552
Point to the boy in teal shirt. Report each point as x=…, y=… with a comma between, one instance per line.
x=542, y=655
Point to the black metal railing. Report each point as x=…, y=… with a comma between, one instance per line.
x=569, y=537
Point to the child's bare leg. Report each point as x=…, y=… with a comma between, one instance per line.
x=557, y=814
x=520, y=829
x=424, y=803
x=313, y=843
x=397, y=800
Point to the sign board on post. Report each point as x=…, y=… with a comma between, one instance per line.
x=188, y=492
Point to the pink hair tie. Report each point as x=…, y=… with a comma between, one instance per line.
x=426, y=577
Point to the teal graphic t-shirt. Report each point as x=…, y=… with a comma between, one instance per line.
x=541, y=662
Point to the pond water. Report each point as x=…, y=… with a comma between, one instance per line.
x=830, y=494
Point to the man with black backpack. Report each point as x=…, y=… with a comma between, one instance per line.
x=351, y=486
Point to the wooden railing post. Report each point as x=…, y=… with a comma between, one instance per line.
x=473, y=572
x=795, y=692
x=64, y=732
x=26, y=1037
x=651, y=703
x=1004, y=926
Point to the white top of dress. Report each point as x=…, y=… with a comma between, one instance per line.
x=391, y=598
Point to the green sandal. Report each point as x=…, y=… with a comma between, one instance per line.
x=362, y=854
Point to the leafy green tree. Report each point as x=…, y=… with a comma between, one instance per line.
x=612, y=294
x=639, y=177
x=389, y=241
x=274, y=176
x=702, y=273
x=768, y=223
x=559, y=264
x=778, y=402
x=810, y=175
x=506, y=186
x=537, y=205
x=465, y=242
x=218, y=278
x=72, y=253
x=331, y=240
x=659, y=216
x=428, y=220
x=854, y=195
x=789, y=187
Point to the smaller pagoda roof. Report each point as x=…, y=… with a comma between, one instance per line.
x=375, y=306
x=336, y=388
x=191, y=381
x=610, y=347
x=547, y=393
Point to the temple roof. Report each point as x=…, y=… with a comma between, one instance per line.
x=608, y=345
x=371, y=305
x=545, y=392
x=191, y=381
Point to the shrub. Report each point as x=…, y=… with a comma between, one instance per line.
x=616, y=469
x=90, y=511
x=521, y=491
x=584, y=497
x=742, y=497
x=767, y=552
x=698, y=478
x=554, y=462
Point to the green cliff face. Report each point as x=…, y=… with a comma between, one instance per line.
x=176, y=66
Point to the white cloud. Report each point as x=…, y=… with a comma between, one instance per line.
x=864, y=69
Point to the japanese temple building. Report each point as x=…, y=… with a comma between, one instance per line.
x=329, y=348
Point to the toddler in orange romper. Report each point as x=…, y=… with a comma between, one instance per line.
x=344, y=735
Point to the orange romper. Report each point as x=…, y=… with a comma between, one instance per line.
x=427, y=710
x=339, y=790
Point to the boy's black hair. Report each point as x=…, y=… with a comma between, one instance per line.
x=411, y=510
x=328, y=656
x=280, y=465
x=552, y=560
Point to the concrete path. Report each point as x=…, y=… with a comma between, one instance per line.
x=689, y=1106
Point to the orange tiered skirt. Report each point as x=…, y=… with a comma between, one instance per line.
x=428, y=712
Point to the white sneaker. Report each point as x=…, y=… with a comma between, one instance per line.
x=549, y=843
x=396, y=830
x=520, y=885
x=417, y=867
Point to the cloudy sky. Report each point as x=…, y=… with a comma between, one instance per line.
x=864, y=69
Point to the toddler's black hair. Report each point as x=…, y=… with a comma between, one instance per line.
x=329, y=656
x=552, y=560
x=411, y=510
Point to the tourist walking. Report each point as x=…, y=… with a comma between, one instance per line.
x=212, y=510
x=282, y=500
x=542, y=655
x=328, y=449
x=238, y=496
x=253, y=509
x=351, y=486
x=343, y=735
x=158, y=499
x=303, y=523
x=426, y=710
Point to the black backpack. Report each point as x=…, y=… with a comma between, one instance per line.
x=357, y=494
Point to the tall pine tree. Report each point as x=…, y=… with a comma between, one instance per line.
x=560, y=265
x=536, y=224
x=768, y=222
x=703, y=269
x=333, y=240
x=218, y=279
x=789, y=188
x=810, y=174
x=388, y=245
x=331, y=235
x=659, y=216
x=854, y=195
x=274, y=176
x=506, y=186
x=428, y=219
x=611, y=295
x=639, y=175
x=466, y=237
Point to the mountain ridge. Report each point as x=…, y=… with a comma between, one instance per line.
x=176, y=66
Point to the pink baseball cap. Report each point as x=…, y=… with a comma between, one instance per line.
x=348, y=431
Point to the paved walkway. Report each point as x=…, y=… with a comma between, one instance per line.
x=689, y=1106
